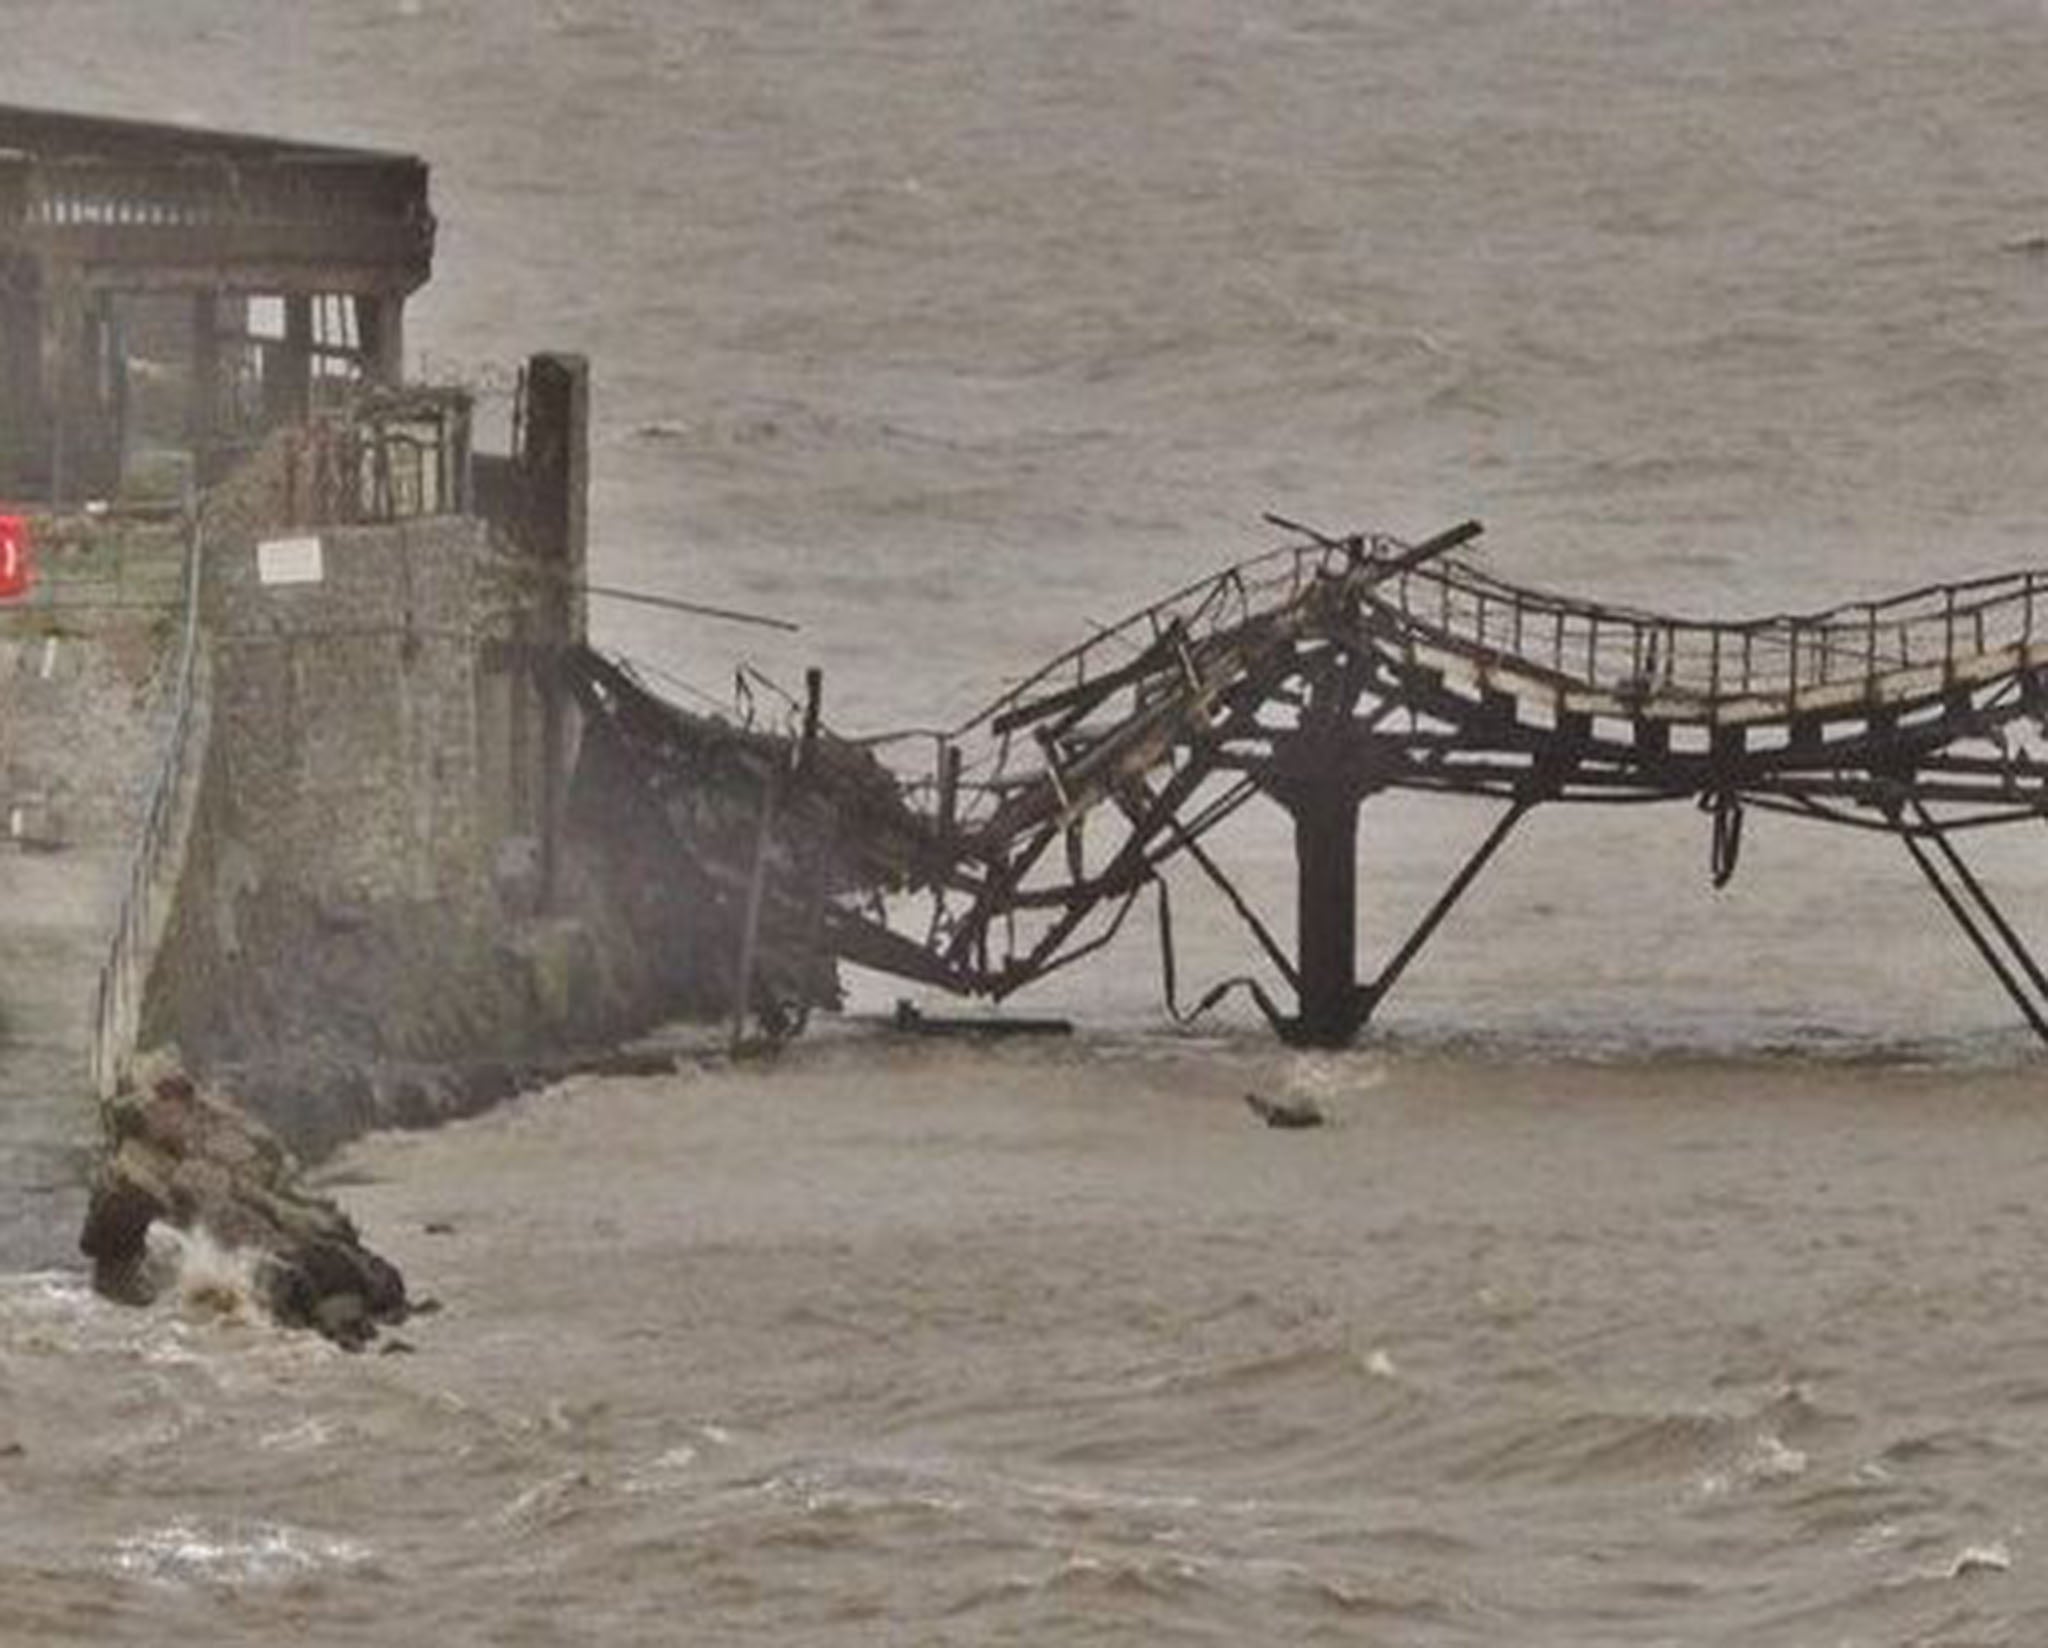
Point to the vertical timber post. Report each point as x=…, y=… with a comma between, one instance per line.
x=380, y=333
x=63, y=336
x=557, y=463
x=288, y=373
x=202, y=405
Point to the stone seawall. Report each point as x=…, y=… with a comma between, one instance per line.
x=359, y=934
x=410, y=883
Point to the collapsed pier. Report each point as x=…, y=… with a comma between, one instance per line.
x=1333, y=670
x=386, y=814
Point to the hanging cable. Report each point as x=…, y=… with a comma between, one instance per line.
x=1169, y=975
x=1725, y=847
x=696, y=609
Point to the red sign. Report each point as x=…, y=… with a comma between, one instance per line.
x=16, y=568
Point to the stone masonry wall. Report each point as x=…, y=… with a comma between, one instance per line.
x=359, y=935
x=347, y=710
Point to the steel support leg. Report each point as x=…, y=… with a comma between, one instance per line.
x=1981, y=897
x=1467, y=874
x=1981, y=941
x=1332, y=1009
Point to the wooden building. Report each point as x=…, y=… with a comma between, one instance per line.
x=167, y=293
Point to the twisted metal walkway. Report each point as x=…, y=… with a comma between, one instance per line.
x=1333, y=669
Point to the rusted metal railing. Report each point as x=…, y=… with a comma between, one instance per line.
x=1775, y=665
x=1936, y=631
x=123, y=975
x=383, y=455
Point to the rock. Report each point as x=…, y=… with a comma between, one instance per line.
x=122, y=1207
x=1287, y=1113
x=197, y=1162
x=344, y=1318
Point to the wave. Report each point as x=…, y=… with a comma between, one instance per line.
x=1709, y=1453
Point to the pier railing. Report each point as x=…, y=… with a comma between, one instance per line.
x=381, y=455
x=138, y=922
x=1772, y=667
x=1778, y=664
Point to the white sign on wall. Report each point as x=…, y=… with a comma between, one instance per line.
x=288, y=561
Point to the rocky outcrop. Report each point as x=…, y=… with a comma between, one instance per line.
x=196, y=1163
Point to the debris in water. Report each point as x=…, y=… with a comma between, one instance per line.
x=1995, y=1558
x=914, y=1021
x=1285, y=1112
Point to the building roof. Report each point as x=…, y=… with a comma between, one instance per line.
x=139, y=205
x=62, y=134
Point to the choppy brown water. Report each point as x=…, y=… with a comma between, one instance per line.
x=900, y=1345
x=959, y=326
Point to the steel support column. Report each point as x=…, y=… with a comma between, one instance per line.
x=1331, y=1007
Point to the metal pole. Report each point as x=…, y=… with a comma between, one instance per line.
x=1326, y=937
x=750, y=926
x=1982, y=899
x=1975, y=934
x=1393, y=970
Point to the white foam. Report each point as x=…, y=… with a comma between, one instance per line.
x=303, y=1437
x=662, y=1471
x=1767, y=1459
x=213, y=1282
x=1992, y=1557
x=259, y=1553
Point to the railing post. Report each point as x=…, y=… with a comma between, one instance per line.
x=949, y=789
